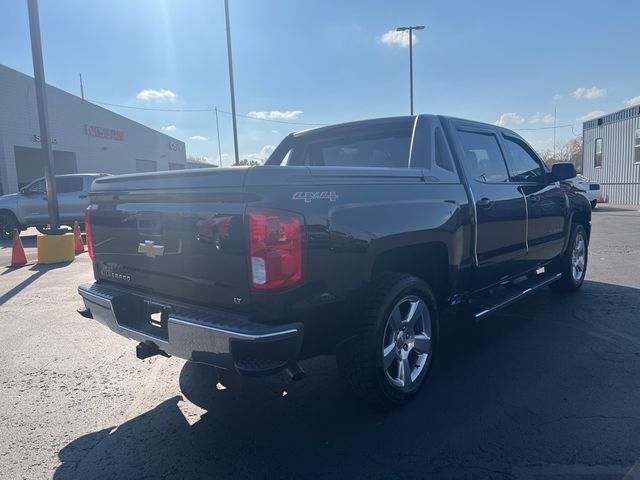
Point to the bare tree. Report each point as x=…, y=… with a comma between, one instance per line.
x=569, y=151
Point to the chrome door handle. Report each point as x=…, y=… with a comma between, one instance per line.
x=485, y=203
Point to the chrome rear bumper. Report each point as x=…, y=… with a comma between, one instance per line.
x=218, y=338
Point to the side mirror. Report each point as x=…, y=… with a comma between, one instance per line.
x=23, y=191
x=563, y=171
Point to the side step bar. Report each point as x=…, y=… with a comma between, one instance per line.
x=512, y=293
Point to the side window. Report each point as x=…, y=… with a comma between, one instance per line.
x=636, y=146
x=36, y=188
x=69, y=184
x=443, y=157
x=483, y=158
x=524, y=165
x=597, y=156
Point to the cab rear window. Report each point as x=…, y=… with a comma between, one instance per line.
x=385, y=146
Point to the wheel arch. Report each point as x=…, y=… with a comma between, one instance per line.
x=8, y=211
x=427, y=261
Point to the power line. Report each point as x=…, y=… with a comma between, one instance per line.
x=545, y=128
x=191, y=110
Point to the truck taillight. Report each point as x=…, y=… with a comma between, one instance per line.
x=276, y=242
x=89, y=236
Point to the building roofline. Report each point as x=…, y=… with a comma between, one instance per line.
x=2, y=65
x=619, y=115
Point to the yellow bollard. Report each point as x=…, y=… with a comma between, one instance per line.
x=56, y=248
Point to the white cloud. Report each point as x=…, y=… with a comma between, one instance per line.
x=401, y=39
x=509, y=118
x=169, y=128
x=556, y=97
x=262, y=155
x=633, y=101
x=590, y=116
x=592, y=93
x=277, y=115
x=199, y=138
x=150, y=94
x=540, y=117
x=275, y=131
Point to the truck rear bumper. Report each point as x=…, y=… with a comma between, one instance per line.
x=218, y=338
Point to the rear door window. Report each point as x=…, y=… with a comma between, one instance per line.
x=69, y=184
x=483, y=159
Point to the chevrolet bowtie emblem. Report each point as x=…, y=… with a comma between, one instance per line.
x=150, y=249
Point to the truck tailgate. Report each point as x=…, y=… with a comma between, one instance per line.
x=174, y=234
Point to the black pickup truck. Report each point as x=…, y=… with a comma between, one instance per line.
x=350, y=241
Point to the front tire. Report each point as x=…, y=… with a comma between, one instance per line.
x=8, y=223
x=388, y=361
x=594, y=204
x=573, y=264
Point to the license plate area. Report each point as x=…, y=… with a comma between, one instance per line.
x=143, y=315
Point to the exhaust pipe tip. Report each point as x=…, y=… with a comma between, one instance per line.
x=295, y=372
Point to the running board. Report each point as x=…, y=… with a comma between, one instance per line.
x=512, y=293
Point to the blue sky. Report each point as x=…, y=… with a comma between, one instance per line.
x=326, y=61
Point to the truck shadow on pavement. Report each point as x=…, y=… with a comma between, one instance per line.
x=532, y=386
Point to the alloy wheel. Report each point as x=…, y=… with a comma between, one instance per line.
x=406, y=344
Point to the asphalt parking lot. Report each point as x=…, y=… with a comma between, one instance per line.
x=548, y=389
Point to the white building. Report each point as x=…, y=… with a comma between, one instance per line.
x=611, y=154
x=86, y=138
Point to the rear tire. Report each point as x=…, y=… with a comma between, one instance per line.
x=387, y=362
x=573, y=264
x=8, y=223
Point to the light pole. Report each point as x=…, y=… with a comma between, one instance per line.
x=410, y=29
x=43, y=115
x=233, y=95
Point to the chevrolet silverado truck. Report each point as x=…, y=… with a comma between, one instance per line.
x=351, y=241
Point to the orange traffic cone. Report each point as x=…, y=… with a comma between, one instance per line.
x=78, y=238
x=18, y=257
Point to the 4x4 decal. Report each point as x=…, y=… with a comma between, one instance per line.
x=309, y=196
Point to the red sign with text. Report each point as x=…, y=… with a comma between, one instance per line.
x=103, y=132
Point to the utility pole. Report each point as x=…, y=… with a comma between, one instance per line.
x=410, y=30
x=43, y=115
x=555, y=115
x=233, y=95
x=81, y=87
x=218, y=132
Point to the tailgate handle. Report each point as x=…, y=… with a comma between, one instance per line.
x=149, y=223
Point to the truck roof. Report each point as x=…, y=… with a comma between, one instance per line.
x=386, y=120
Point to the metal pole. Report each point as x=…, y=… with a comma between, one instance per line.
x=218, y=131
x=43, y=116
x=81, y=87
x=233, y=95
x=411, y=66
x=555, y=115
x=410, y=29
